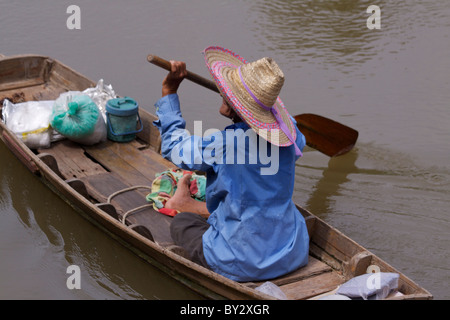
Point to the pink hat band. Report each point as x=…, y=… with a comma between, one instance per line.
x=280, y=121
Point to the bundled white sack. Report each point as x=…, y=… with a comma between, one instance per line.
x=30, y=121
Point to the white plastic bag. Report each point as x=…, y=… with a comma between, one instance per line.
x=376, y=286
x=100, y=95
x=30, y=121
x=272, y=290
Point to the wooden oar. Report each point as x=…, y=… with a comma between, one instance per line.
x=190, y=75
x=325, y=135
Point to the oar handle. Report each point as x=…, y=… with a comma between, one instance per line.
x=160, y=62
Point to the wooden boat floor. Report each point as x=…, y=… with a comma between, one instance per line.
x=111, y=167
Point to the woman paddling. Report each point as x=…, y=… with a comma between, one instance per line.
x=249, y=228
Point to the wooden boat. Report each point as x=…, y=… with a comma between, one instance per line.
x=103, y=182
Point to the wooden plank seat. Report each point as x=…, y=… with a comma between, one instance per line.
x=313, y=286
x=132, y=161
x=130, y=165
x=70, y=160
x=311, y=280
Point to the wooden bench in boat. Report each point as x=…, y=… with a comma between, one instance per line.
x=313, y=279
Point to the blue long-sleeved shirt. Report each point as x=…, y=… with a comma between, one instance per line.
x=256, y=232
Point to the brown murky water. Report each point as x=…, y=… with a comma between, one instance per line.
x=391, y=193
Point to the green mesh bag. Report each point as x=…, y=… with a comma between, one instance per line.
x=74, y=115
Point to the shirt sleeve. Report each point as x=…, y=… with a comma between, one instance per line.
x=177, y=145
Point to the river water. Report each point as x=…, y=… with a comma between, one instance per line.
x=390, y=193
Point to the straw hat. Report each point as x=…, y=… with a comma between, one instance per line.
x=253, y=89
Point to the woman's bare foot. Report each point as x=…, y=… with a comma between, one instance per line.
x=182, y=200
x=182, y=194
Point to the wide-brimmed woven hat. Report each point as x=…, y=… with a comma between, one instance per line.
x=253, y=89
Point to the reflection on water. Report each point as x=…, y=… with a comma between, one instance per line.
x=328, y=186
x=333, y=32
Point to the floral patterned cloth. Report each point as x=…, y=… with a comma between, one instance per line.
x=165, y=185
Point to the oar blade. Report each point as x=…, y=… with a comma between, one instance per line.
x=325, y=135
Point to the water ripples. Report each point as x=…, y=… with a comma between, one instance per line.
x=334, y=33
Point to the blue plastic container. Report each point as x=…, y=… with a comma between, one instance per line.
x=122, y=117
